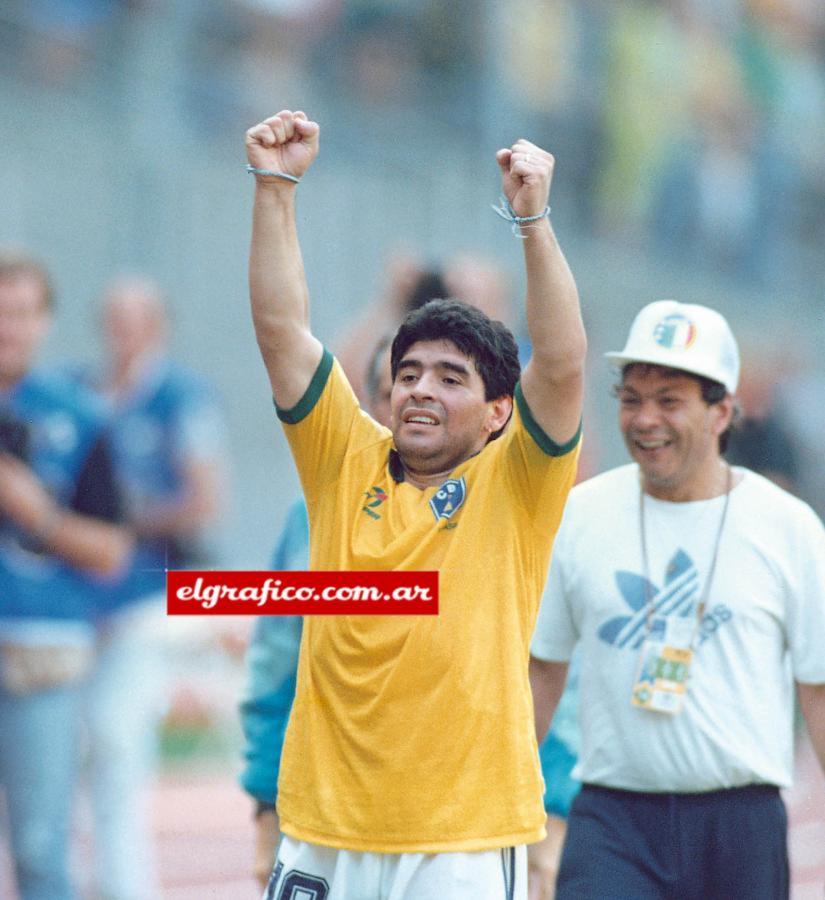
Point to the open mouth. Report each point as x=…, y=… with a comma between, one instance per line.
x=419, y=417
x=649, y=445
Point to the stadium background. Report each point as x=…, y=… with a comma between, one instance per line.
x=688, y=136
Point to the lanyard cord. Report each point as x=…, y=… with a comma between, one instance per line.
x=700, y=611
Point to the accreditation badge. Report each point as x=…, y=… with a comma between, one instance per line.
x=664, y=667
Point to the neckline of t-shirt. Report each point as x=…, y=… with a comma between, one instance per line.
x=694, y=504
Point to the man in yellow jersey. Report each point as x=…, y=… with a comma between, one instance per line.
x=410, y=768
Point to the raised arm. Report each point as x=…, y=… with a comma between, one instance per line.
x=285, y=143
x=552, y=381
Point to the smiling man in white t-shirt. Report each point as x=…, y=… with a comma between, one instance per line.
x=695, y=592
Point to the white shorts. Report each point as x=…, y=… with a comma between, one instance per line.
x=310, y=872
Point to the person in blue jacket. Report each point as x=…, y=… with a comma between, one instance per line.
x=60, y=538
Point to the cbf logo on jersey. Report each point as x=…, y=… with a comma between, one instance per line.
x=676, y=597
x=676, y=332
x=449, y=498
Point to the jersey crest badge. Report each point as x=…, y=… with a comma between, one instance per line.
x=448, y=499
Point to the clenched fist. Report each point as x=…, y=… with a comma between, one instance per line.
x=526, y=174
x=286, y=142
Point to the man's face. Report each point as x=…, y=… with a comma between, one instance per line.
x=670, y=431
x=24, y=321
x=439, y=413
x=133, y=322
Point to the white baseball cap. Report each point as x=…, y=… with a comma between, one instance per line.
x=683, y=336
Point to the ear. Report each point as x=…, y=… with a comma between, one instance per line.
x=723, y=414
x=498, y=413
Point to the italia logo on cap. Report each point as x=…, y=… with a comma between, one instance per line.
x=675, y=332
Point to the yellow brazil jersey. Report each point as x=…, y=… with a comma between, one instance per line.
x=415, y=733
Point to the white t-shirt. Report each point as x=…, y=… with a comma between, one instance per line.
x=763, y=626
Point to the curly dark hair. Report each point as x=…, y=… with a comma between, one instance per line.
x=487, y=342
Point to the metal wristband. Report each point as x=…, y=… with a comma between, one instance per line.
x=271, y=173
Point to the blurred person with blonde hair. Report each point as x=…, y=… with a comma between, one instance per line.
x=60, y=539
x=166, y=427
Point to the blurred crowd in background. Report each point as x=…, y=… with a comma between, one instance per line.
x=693, y=127
x=688, y=135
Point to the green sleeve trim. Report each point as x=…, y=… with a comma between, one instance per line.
x=307, y=403
x=545, y=443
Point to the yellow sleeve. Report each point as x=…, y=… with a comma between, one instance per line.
x=325, y=426
x=541, y=472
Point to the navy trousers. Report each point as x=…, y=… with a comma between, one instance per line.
x=718, y=845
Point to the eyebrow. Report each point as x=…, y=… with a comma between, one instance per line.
x=412, y=363
x=620, y=388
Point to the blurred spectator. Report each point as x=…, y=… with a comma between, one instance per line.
x=690, y=124
x=539, y=46
x=743, y=173
x=65, y=35
x=712, y=113
x=479, y=281
x=381, y=44
x=801, y=399
x=239, y=51
x=166, y=428
x=645, y=107
x=781, y=52
x=553, y=65
x=759, y=440
x=58, y=506
x=405, y=55
x=407, y=286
